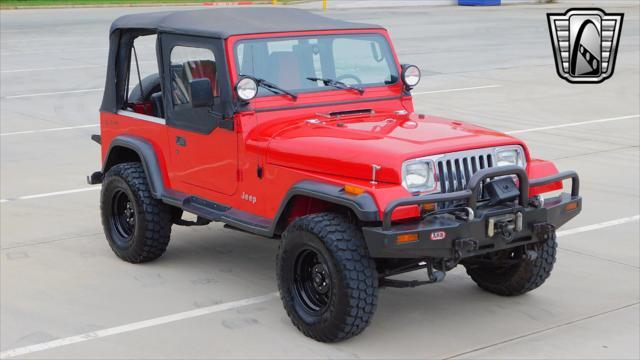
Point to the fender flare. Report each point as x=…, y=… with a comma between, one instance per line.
x=363, y=205
x=148, y=158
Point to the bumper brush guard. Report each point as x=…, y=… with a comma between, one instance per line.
x=485, y=228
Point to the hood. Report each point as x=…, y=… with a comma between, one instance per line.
x=350, y=146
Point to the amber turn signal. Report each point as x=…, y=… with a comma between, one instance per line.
x=429, y=207
x=406, y=238
x=354, y=190
x=571, y=206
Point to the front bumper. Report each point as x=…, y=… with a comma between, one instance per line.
x=449, y=236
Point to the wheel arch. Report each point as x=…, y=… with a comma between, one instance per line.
x=127, y=148
x=310, y=197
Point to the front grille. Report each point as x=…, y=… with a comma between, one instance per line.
x=455, y=169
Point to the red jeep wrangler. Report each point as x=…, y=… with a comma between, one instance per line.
x=290, y=125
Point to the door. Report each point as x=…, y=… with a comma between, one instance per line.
x=204, y=154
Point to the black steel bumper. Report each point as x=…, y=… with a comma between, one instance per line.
x=449, y=236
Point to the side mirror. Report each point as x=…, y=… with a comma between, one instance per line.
x=410, y=76
x=201, y=93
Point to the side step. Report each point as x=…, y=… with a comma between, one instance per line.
x=211, y=211
x=200, y=221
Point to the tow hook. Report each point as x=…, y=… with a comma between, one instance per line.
x=505, y=225
x=466, y=244
x=462, y=245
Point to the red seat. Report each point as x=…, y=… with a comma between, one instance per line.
x=199, y=69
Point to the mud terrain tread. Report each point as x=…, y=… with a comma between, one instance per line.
x=152, y=241
x=529, y=276
x=346, y=243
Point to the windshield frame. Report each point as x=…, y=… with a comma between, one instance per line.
x=235, y=41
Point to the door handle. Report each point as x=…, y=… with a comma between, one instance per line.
x=181, y=141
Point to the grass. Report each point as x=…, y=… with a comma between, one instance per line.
x=28, y=3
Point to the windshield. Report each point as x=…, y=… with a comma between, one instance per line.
x=299, y=63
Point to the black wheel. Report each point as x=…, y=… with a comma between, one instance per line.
x=523, y=272
x=327, y=281
x=137, y=226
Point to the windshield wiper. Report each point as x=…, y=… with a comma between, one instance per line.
x=337, y=84
x=274, y=88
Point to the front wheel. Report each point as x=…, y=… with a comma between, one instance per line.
x=514, y=271
x=327, y=281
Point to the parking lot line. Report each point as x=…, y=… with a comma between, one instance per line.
x=538, y=332
x=72, y=67
x=101, y=89
x=52, y=93
x=551, y=127
x=454, y=90
x=48, y=130
x=232, y=305
x=36, y=196
x=51, y=68
x=138, y=325
x=54, y=51
x=598, y=226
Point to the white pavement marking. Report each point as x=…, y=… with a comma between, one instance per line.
x=100, y=89
x=53, y=51
x=36, y=196
x=48, y=130
x=55, y=68
x=601, y=225
x=52, y=93
x=453, y=90
x=137, y=325
x=51, y=68
x=573, y=124
x=22, y=41
x=220, y=307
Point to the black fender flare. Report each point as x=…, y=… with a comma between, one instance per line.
x=363, y=205
x=148, y=158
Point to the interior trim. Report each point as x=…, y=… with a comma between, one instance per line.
x=144, y=117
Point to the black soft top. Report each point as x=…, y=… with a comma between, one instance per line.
x=224, y=22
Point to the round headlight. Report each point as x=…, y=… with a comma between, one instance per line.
x=247, y=88
x=411, y=75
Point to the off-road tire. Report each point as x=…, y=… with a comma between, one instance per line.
x=520, y=278
x=352, y=273
x=153, y=219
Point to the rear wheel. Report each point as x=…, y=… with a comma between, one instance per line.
x=327, y=281
x=137, y=226
x=515, y=271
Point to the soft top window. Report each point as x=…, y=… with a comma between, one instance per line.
x=189, y=63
